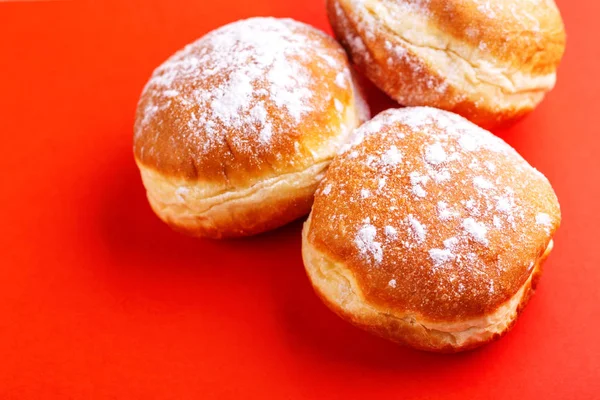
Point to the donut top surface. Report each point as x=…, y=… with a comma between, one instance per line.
x=526, y=34
x=254, y=98
x=433, y=215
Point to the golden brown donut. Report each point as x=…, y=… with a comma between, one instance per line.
x=489, y=61
x=429, y=231
x=234, y=132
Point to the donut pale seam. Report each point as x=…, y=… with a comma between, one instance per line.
x=183, y=209
x=166, y=193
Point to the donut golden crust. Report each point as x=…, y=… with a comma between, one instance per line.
x=233, y=133
x=429, y=231
x=490, y=61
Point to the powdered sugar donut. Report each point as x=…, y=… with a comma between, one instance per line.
x=233, y=133
x=429, y=231
x=490, y=61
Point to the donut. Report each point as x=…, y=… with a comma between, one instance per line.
x=233, y=133
x=429, y=231
x=489, y=61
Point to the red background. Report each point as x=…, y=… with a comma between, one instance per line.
x=99, y=299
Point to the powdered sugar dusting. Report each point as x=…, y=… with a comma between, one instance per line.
x=451, y=243
x=490, y=165
x=503, y=204
x=340, y=80
x=470, y=137
x=418, y=181
x=392, y=156
x=391, y=232
x=482, y=183
x=442, y=176
x=544, y=220
x=444, y=212
x=245, y=69
x=366, y=243
x=435, y=154
x=477, y=230
x=440, y=256
x=468, y=143
x=445, y=255
x=417, y=229
x=497, y=222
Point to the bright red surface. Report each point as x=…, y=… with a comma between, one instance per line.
x=99, y=299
